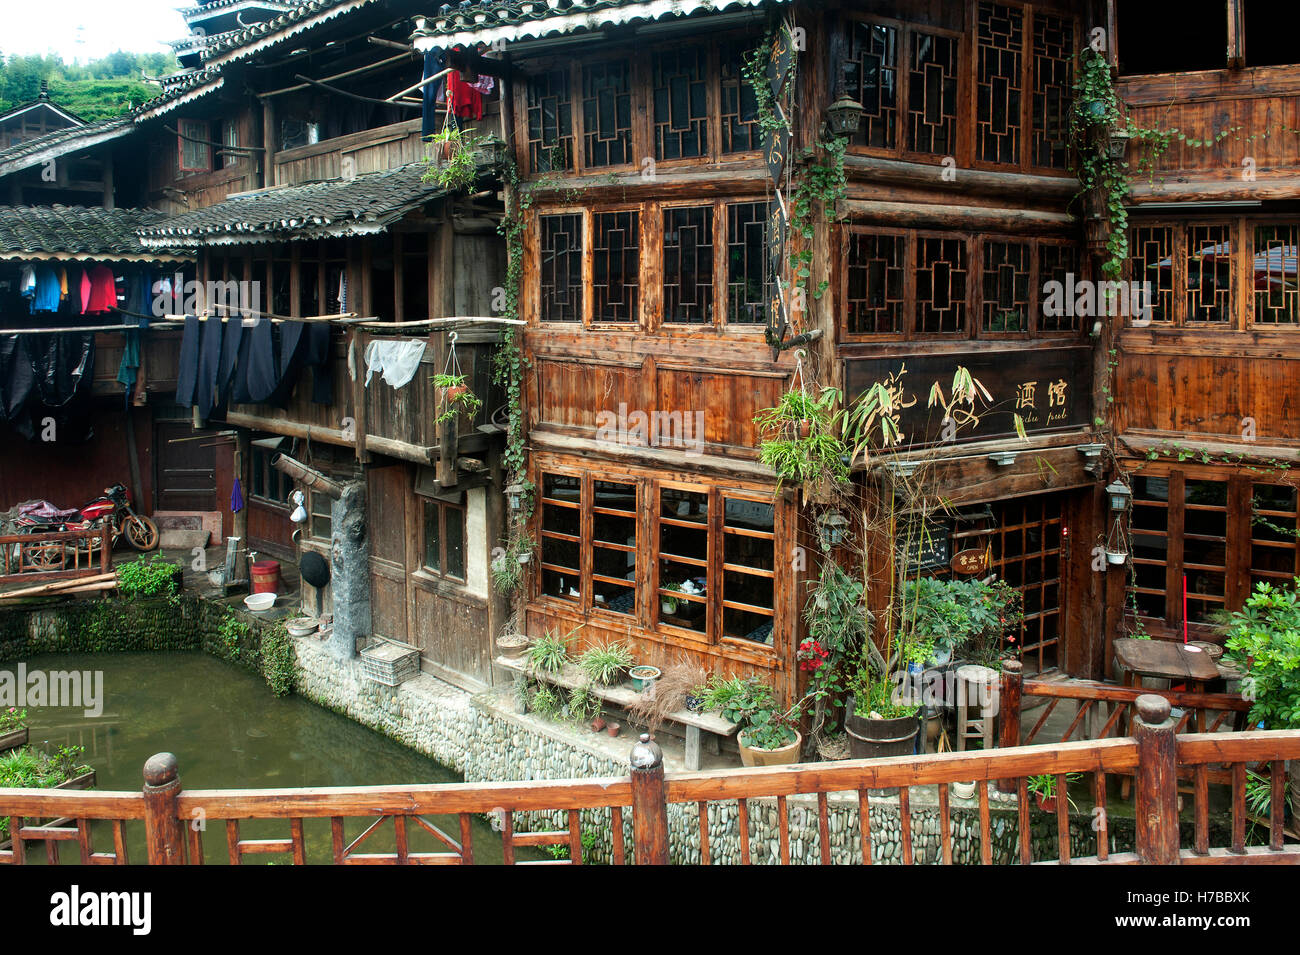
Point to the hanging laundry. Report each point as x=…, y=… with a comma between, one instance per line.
x=231, y=339
x=484, y=84
x=396, y=360
x=16, y=376
x=98, y=290
x=464, y=100
x=46, y=296
x=205, y=384
x=137, y=303
x=236, y=498
x=430, y=94
x=257, y=361
x=27, y=282
x=187, y=371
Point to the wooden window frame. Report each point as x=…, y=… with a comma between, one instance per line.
x=639, y=56
x=1238, y=539
x=585, y=602
x=902, y=69
x=314, y=499
x=443, y=508
x=975, y=257
x=964, y=151
x=1242, y=281
x=650, y=275
x=260, y=458
x=187, y=131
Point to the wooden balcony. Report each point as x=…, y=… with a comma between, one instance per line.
x=399, y=423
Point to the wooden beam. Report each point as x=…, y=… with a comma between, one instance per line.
x=967, y=182
x=977, y=218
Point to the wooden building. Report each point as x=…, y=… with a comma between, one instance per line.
x=648, y=296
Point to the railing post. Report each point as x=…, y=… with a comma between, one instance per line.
x=162, y=828
x=1157, y=782
x=649, y=803
x=1009, y=714
x=106, y=546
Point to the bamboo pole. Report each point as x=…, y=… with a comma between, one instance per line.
x=61, y=587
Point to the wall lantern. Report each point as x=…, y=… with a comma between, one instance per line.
x=1003, y=459
x=1119, y=495
x=515, y=495
x=299, y=512
x=494, y=150
x=831, y=528
x=844, y=117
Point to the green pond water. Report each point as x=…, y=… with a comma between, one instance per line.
x=229, y=731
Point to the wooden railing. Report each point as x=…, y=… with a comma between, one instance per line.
x=1201, y=712
x=61, y=555
x=1155, y=754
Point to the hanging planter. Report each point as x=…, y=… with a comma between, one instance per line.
x=1117, y=143
x=1116, y=557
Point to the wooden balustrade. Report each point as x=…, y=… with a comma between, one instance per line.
x=58, y=555
x=1156, y=755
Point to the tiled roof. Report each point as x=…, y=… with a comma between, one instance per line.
x=335, y=207
x=75, y=230
x=61, y=141
x=486, y=21
x=258, y=36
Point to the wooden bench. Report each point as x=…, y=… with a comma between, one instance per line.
x=712, y=724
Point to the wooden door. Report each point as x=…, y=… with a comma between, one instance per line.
x=185, y=472
x=387, y=493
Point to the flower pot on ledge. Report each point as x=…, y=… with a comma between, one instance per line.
x=781, y=756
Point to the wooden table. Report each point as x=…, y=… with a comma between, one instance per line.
x=1166, y=659
x=624, y=696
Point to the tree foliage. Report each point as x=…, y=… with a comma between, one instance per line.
x=96, y=90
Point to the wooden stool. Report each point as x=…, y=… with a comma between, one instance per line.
x=983, y=681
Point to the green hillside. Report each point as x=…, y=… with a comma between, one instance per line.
x=96, y=90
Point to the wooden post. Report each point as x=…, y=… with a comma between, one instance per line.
x=163, y=836
x=649, y=803
x=1009, y=714
x=106, y=547
x=1157, y=782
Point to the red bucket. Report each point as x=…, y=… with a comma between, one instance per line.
x=266, y=577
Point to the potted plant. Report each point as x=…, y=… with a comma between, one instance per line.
x=644, y=677
x=13, y=728
x=606, y=665
x=1043, y=787
x=457, y=398
x=548, y=654
x=767, y=735
x=1263, y=640
x=669, y=604
x=802, y=441
x=880, y=722
x=512, y=646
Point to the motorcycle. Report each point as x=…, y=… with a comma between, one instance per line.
x=111, y=510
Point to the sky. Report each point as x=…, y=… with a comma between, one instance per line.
x=88, y=29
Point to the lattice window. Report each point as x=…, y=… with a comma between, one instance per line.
x=1149, y=537
x=941, y=272
x=561, y=536
x=550, y=122
x=680, y=80
x=684, y=558
x=1058, y=263
x=561, y=272
x=1050, y=103
x=688, y=265
x=1027, y=555
x=1151, y=260
x=607, y=114
x=998, y=82
x=747, y=272
x=1209, y=274
x=1273, y=530
x=1006, y=302
x=876, y=281
x=1277, y=292
x=1205, y=546
x=871, y=77
x=616, y=254
x=932, y=94
x=740, y=129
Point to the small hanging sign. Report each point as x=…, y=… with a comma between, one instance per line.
x=776, y=151
x=969, y=562
x=776, y=232
x=781, y=59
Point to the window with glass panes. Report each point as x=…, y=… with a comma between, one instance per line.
x=589, y=538
x=444, y=539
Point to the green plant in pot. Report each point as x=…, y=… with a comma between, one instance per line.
x=1043, y=787
x=802, y=440
x=767, y=735
x=457, y=398
x=961, y=616
x=1263, y=639
x=881, y=722
x=606, y=665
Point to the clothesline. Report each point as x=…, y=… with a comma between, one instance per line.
x=345, y=318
